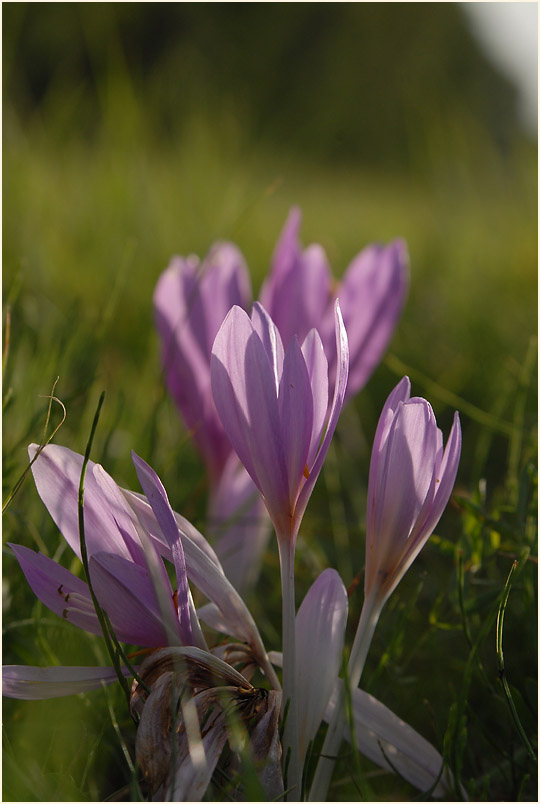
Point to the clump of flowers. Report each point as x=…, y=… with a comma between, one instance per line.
x=261, y=394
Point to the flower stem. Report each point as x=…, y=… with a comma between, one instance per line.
x=364, y=633
x=290, y=736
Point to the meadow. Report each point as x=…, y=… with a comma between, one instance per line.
x=90, y=221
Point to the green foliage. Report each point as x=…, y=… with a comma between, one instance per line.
x=94, y=206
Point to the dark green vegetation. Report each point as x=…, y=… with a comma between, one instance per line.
x=122, y=148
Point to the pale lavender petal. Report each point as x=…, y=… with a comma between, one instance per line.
x=60, y=590
x=145, y=515
x=405, y=473
x=296, y=413
x=57, y=474
x=443, y=481
x=157, y=497
x=39, y=683
x=205, y=572
x=297, y=292
x=123, y=515
x=448, y=470
x=222, y=281
x=126, y=592
x=317, y=366
x=239, y=525
x=377, y=729
x=243, y=383
x=337, y=404
x=287, y=246
x=320, y=631
x=372, y=296
x=181, y=317
x=270, y=338
x=401, y=393
x=286, y=253
x=304, y=297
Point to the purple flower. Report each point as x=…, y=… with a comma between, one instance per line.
x=191, y=300
x=299, y=291
x=128, y=539
x=273, y=406
x=411, y=478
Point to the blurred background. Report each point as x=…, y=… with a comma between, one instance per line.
x=132, y=132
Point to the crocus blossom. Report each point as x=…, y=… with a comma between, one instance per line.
x=127, y=539
x=191, y=300
x=299, y=292
x=273, y=407
x=411, y=478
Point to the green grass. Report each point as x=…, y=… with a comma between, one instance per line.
x=89, y=223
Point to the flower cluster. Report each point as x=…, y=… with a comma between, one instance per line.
x=261, y=394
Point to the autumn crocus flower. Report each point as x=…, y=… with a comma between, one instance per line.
x=191, y=300
x=128, y=539
x=411, y=478
x=273, y=406
x=299, y=292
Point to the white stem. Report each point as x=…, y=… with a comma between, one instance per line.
x=290, y=736
x=364, y=633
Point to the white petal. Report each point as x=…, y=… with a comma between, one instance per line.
x=379, y=732
x=320, y=631
x=38, y=683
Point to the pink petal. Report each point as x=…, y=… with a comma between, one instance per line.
x=187, y=302
x=372, y=296
x=297, y=292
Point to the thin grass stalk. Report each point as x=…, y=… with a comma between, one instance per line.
x=500, y=655
x=43, y=442
x=84, y=557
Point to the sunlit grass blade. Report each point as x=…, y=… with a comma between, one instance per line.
x=43, y=443
x=516, y=567
x=84, y=556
